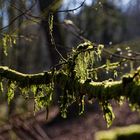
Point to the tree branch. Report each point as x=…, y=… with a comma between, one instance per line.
x=25, y=79
x=129, y=86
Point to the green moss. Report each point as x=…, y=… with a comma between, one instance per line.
x=76, y=79
x=10, y=92
x=131, y=132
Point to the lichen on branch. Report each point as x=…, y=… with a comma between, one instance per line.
x=101, y=90
x=25, y=79
x=75, y=79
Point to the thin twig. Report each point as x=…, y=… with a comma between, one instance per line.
x=18, y=16
x=71, y=10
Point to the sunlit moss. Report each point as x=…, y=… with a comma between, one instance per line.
x=131, y=132
x=10, y=92
x=75, y=80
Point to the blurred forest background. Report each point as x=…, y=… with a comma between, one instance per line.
x=110, y=22
x=102, y=21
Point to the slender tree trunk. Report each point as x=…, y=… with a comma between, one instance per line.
x=55, y=57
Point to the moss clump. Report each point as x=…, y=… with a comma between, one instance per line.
x=131, y=132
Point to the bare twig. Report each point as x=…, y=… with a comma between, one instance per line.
x=71, y=10
x=18, y=16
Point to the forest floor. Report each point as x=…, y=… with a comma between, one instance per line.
x=75, y=127
x=84, y=127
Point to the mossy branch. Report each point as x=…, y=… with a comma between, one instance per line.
x=129, y=86
x=25, y=79
x=74, y=89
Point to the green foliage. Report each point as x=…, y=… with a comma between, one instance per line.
x=115, y=73
x=8, y=41
x=82, y=104
x=76, y=68
x=86, y=59
x=1, y=86
x=43, y=96
x=11, y=90
x=108, y=113
x=83, y=62
x=75, y=81
x=51, y=23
